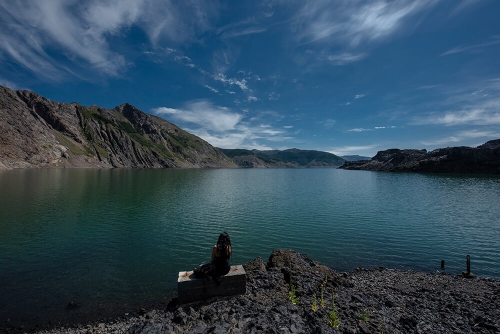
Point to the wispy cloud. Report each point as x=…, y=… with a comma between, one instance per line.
x=358, y=130
x=358, y=96
x=462, y=5
x=469, y=116
x=211, y=88
x=384, y=127
x=273, y=96
x=429, y=86
x=243, y=32
x=473, y=48
x=222, y=127
x=328, y=123
x=341, y=59
x=203, y=113
x=231, y=81
x=9, y=84
x=374, y=128
x=34, y=33
x=463, y=135
x=350, y=23
x=472, y=104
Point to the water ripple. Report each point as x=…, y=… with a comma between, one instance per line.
x=120, y=236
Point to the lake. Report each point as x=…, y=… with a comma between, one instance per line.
x=112, y=241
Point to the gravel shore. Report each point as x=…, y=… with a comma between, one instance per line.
x=365, y=301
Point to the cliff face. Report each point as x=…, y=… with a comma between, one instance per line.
x=484, y=159
x=36, y=132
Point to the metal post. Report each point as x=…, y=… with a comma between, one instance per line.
x=442, y=264
x=468, y=264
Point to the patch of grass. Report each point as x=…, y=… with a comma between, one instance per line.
x=141, y=140
x=127, y=127
x=164, y=150
x=332, y=316
x=72, y=146
x=314, y=305
x=322, y=300
x=101, y=118
x=381, y=328
x=292, y=296
x=185, y=140
x=86, y=113
x=364, y=315
x=93, y=113
x=102, y=152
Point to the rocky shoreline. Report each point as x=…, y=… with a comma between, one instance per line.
x=484, y=159
x=281, y=296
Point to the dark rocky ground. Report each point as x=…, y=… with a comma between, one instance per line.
x=366, y=301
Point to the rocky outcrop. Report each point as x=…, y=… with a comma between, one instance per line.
x=36, y=132
x=484, y=159
x=364, y=301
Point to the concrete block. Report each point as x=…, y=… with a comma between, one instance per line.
x=192, y=289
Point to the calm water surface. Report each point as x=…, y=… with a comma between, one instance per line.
x=114, y=240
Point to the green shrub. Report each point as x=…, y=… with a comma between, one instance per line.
x=314, y=305
x=292, y=296
x=332, y=316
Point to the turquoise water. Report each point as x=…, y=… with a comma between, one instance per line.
x=113, y=240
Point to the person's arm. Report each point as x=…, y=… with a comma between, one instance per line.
x=214, y=252
x=230, y=251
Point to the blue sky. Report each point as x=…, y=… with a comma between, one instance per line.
x=343, y=76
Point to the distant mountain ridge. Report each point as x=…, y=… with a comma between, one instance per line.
x=36, y=132
x=484, y=159
x=291, y=158
x=354, y=157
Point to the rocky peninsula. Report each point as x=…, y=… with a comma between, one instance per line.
x=291, y=293
x=484, y=159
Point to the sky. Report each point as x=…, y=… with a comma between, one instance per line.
x=342, y=76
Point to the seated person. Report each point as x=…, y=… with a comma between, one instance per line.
x=219, y=266
x=221, y=253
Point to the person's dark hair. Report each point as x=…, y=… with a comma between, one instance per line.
x=223, y=242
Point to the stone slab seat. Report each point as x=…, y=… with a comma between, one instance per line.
x=192, y=289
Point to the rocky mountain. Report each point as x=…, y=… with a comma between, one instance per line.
x=354, y=157
x=36, y=132
x=484, y=159
x=292, y=158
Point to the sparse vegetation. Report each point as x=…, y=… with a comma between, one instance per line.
x=364, y=315
x=322, y=300
x=332, y=316
x=141, y=140
x=292, y=296
x=127, y=127
x=314, y=305
x=72, y=146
